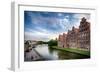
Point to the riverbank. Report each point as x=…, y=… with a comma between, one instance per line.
x=32, y=55
x=78, y=51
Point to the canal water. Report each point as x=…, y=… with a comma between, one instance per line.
x=47, y=53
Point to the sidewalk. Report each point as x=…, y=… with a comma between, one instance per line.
x=32, y=55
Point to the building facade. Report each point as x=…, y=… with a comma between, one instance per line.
x=62, y=40
x=84, y=34
x=77, y=37
x=72, y=38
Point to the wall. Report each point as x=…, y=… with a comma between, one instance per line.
x=5, y=34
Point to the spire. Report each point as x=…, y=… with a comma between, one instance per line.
x=73, y=27
x=83, y=20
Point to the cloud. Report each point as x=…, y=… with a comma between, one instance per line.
x=40, y=34
x=64, y=23
x=78, y=18
x=53, y=23
x=46, y=26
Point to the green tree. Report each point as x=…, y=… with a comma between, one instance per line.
x=52, y=43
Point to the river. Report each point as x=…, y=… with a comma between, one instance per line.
x=42, y=52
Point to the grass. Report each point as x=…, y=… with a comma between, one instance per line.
x=75, y=50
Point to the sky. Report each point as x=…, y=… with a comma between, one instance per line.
x=43, y=26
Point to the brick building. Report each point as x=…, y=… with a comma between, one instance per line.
x=72, y=38
x=84, y=34
x=62, y=40
x=77, y=37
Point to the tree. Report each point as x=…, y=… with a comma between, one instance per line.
x=52, y=43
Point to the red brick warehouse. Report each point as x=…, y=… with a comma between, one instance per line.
x=77, y=37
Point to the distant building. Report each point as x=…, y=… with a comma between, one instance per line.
x=77, y=37
x=60, y=41
x=64, y=40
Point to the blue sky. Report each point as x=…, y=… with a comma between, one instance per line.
x=48, y=25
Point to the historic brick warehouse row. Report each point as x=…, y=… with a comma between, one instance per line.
x=77, y=37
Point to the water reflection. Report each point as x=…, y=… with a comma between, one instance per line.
x=43, y=52
x=46, y=53
x=69, y=55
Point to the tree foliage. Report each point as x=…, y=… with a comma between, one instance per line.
x=52, y=43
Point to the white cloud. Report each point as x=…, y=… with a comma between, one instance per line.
x=64, y=23
x=78, y=17
x=60, y=14
x=54, y=22
x=40, y=35
x=44, y=34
